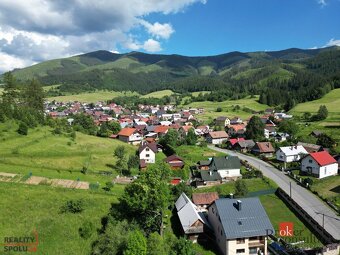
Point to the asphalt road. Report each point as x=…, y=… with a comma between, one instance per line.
x=307, y=200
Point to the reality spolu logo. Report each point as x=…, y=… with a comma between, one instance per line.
x=21, y=243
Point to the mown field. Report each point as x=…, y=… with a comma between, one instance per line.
x=92, y=97
x=227, y=108
x=57, y=156
x=159, y=94
x=25, y=208
x=331, y=125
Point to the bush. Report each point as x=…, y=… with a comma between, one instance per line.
x=108, y=186
x=85, y=231
x=73, y=206
x=94, y=186
x=23, y=129
x=219, y=109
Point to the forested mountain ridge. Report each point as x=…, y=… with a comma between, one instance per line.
x=297, y=74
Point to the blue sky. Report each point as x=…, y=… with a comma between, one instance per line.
x=55, y=29
x=252, y=25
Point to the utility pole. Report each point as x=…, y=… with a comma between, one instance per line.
x=290, y=189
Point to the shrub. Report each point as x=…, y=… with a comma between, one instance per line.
x=108, y=186
x=94, y=186
x=23, y=129
x=73, y=206
x=85, y=231
x=219, y=109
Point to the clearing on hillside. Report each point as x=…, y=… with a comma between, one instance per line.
x=159, y=94
x=92, y=97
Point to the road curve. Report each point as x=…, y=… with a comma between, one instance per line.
x=307, y=200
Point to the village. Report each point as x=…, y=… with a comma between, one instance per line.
x=206, y=214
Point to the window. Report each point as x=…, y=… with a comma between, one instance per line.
x=147, y=155
x=147, y=149
x=325, y=170
x=310, y=161
x=240, y=240
x=252, y=250
x=239, y=251
x=253, y=238
x=213, y=210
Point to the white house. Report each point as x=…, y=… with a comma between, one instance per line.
x=217, y=137
x=240, y=226
x=319, y=164
x=291, y=153
x=147, y=151
x=130, y=135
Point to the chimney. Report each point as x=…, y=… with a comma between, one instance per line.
x=239, y=205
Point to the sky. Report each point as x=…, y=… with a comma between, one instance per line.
x=33, y=31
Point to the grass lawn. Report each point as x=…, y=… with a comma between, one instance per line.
x=159, y=94
x=92, y=97
x=193, y=154
x=331, y=100
x=253, y=185
x=227, y=108
x=195, y=94
x=57, y=156
x=25, y=208
x=331, y=125
x=329, y=188
x=1, y=91
x=278, y=212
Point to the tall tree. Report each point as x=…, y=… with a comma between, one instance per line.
x=33, y=96
x=191, y=138
x=322, y=112
x=145, y=199
x=120, y=153
x=255, y=129
x=136, y=244
x=289, y=126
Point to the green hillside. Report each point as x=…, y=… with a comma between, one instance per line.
x=92, y=96
x=57, y=156
x=228, y=108
x=25, y=208
x=297, y=74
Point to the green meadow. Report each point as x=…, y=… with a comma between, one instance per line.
x=92, y=97
x=228, y=108
x=57, y=156
x=331, y=125
x=25, y=208
x=159, y=94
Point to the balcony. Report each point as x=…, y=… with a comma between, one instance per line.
x=256, y=243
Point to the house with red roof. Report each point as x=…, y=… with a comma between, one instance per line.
x=319, y=164
x=237, y=130
x=130, y=135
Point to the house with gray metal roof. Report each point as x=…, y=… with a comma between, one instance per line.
x=221, y=168
x=240, y=226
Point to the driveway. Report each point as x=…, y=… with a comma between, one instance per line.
x=307, y=200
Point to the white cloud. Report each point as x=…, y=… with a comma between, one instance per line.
x=9, y=62
x=36, y=30
x=152, y=45
x=322, y=3
x=158, y=30
x=333, y=42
